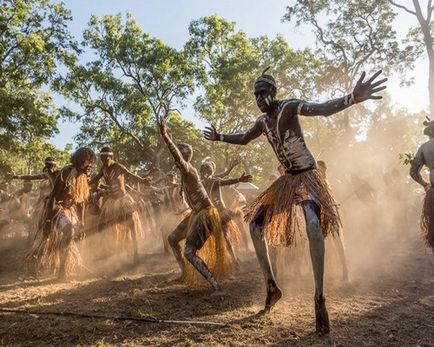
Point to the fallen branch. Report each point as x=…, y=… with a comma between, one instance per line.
x=145, y=319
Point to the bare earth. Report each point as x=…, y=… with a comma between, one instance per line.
x=390, y=304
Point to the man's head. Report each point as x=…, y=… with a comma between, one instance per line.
x=207, y=169
x=265, y=91
x=106, y=156
x=186, y=151
x=27, y=186
x=429, y=128
x=50, y=164
x=83, y=159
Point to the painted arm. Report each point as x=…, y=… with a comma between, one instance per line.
x=210, y=133
x=173, y=149
x=362, y=91
x=40, y=176
x=135, y=178
x=416, y=166
x=95, y=179
x=231, y=181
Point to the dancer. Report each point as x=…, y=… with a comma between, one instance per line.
x=119, y=215
x=213, y=186
x=47, y=177
x=425, y=157
x=205, y=246
x=57, y=250
x=274, y=215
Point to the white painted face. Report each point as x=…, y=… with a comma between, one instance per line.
x=269, y=99
x=263, y=96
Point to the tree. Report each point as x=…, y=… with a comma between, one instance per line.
x=425, y=30
x=134, y=80
x=356, y=36
x=34, y=40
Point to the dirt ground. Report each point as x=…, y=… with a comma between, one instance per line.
x=390, y=303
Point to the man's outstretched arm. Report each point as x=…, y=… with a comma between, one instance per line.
x=210, y=133
x=40, y=176
x=231, y=181
x=173, y=148
x=362, y=92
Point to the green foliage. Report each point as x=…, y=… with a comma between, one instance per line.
x=34, y=41
x=356, y=36
x=406, y=158
x=133, y=80
x=29, y=158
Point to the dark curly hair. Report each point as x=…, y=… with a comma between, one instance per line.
x=81, y=155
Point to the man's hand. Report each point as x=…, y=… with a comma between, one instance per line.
x=210, y=133
x=427, y=187
x=246, y=178
x=366, y=90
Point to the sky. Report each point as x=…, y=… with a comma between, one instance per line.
x=169, y=20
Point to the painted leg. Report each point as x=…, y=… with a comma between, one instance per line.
x=190, y=253
x=273, y=291
x=317, y=250
x=65, y=244
x=273, y=253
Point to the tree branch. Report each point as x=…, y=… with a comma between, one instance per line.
x=402, y=7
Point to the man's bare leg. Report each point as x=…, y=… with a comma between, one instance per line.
x=317, y=250
x=65, y=244
x=190, y=253
x=273, y=291
x=174, y=238
x=229, y=246
x=134, y=232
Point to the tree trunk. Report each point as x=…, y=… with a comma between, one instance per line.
x=431, y=85
x=425, y=27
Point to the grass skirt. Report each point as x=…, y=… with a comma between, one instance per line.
x=427, y=219
x=230, y=227
x=44, y=255
x=284, y=218
x=115, y=220
x=203, y=224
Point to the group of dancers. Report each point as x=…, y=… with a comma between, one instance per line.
x=299, y=200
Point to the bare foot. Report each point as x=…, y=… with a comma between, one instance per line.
x=321, y=316
x=274, y=294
